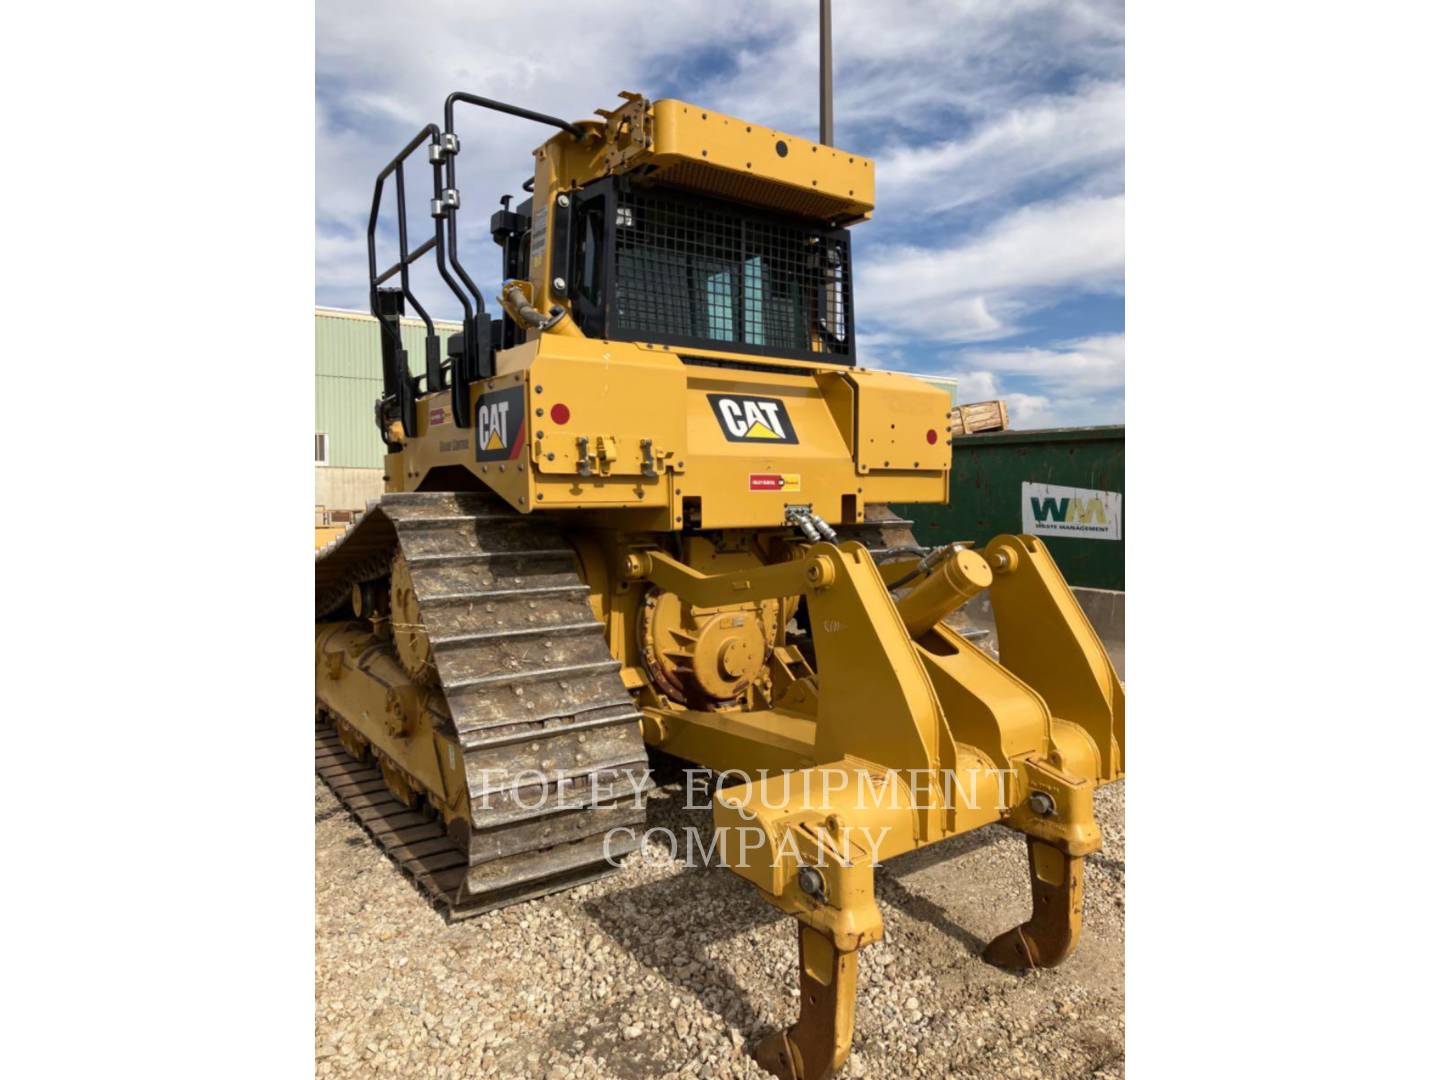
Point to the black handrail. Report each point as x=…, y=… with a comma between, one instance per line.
x=398, y=383
x=397, y=167
x=499, y=106
x=400, y=386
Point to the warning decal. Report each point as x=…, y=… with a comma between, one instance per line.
x=774, y=481
x=500, y=424
x=753, y=419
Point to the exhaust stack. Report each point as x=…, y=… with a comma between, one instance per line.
x=827, y=83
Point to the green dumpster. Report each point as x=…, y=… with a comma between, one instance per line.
x=1064, y=485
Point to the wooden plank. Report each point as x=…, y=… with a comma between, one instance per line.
x=979, y=416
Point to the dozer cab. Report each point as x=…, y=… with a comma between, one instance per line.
x=643, y=508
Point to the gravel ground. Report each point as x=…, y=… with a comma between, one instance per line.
x=664, y=971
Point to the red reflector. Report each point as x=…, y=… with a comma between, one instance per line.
x=931, y=436
x=560, y=413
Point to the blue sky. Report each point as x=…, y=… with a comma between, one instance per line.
x=996, y=252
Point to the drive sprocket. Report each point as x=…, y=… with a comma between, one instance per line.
x=407, y=628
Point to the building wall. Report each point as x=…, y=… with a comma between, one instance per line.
x=940, y=382
x=348, y=489
x=347, y=383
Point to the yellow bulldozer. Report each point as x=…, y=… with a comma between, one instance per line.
x=643, y=512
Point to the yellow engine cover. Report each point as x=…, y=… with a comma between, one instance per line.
x=653, y=440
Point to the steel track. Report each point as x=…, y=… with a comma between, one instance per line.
x=550, y=736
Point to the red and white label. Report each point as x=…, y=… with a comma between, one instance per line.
x=774, y=481
x=439, y=416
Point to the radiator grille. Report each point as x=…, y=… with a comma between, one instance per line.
x=696, y=271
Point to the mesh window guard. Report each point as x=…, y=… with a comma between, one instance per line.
x=692, y=271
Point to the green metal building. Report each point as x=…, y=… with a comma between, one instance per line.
x=349, y=457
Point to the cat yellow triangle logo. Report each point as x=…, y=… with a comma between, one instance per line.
x=760, y=431
x=494, y=442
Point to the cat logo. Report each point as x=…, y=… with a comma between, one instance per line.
x=753, y=419
x=500, y=425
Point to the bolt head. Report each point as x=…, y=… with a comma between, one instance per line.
x=563, y=200
x=1041, y=804
x=810, y=881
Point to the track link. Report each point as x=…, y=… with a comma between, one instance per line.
x=552, y=749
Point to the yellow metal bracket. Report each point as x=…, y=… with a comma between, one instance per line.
x=716, y=590
x=629, y=130
x=1056, y=808
x=1046, y=640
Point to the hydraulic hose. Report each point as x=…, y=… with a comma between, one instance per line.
x=515, y=298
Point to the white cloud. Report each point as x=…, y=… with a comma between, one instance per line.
x=1052, y=138
x=1079, y=382
x=902, y=69
x=1093, y=363
x=1032, y=411
x=976, y=385
x=881, y=349
x=978, y=290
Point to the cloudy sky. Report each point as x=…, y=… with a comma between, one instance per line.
x=996, y=252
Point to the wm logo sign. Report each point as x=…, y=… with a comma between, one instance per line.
x=1086, y=512
x=1052, y=510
